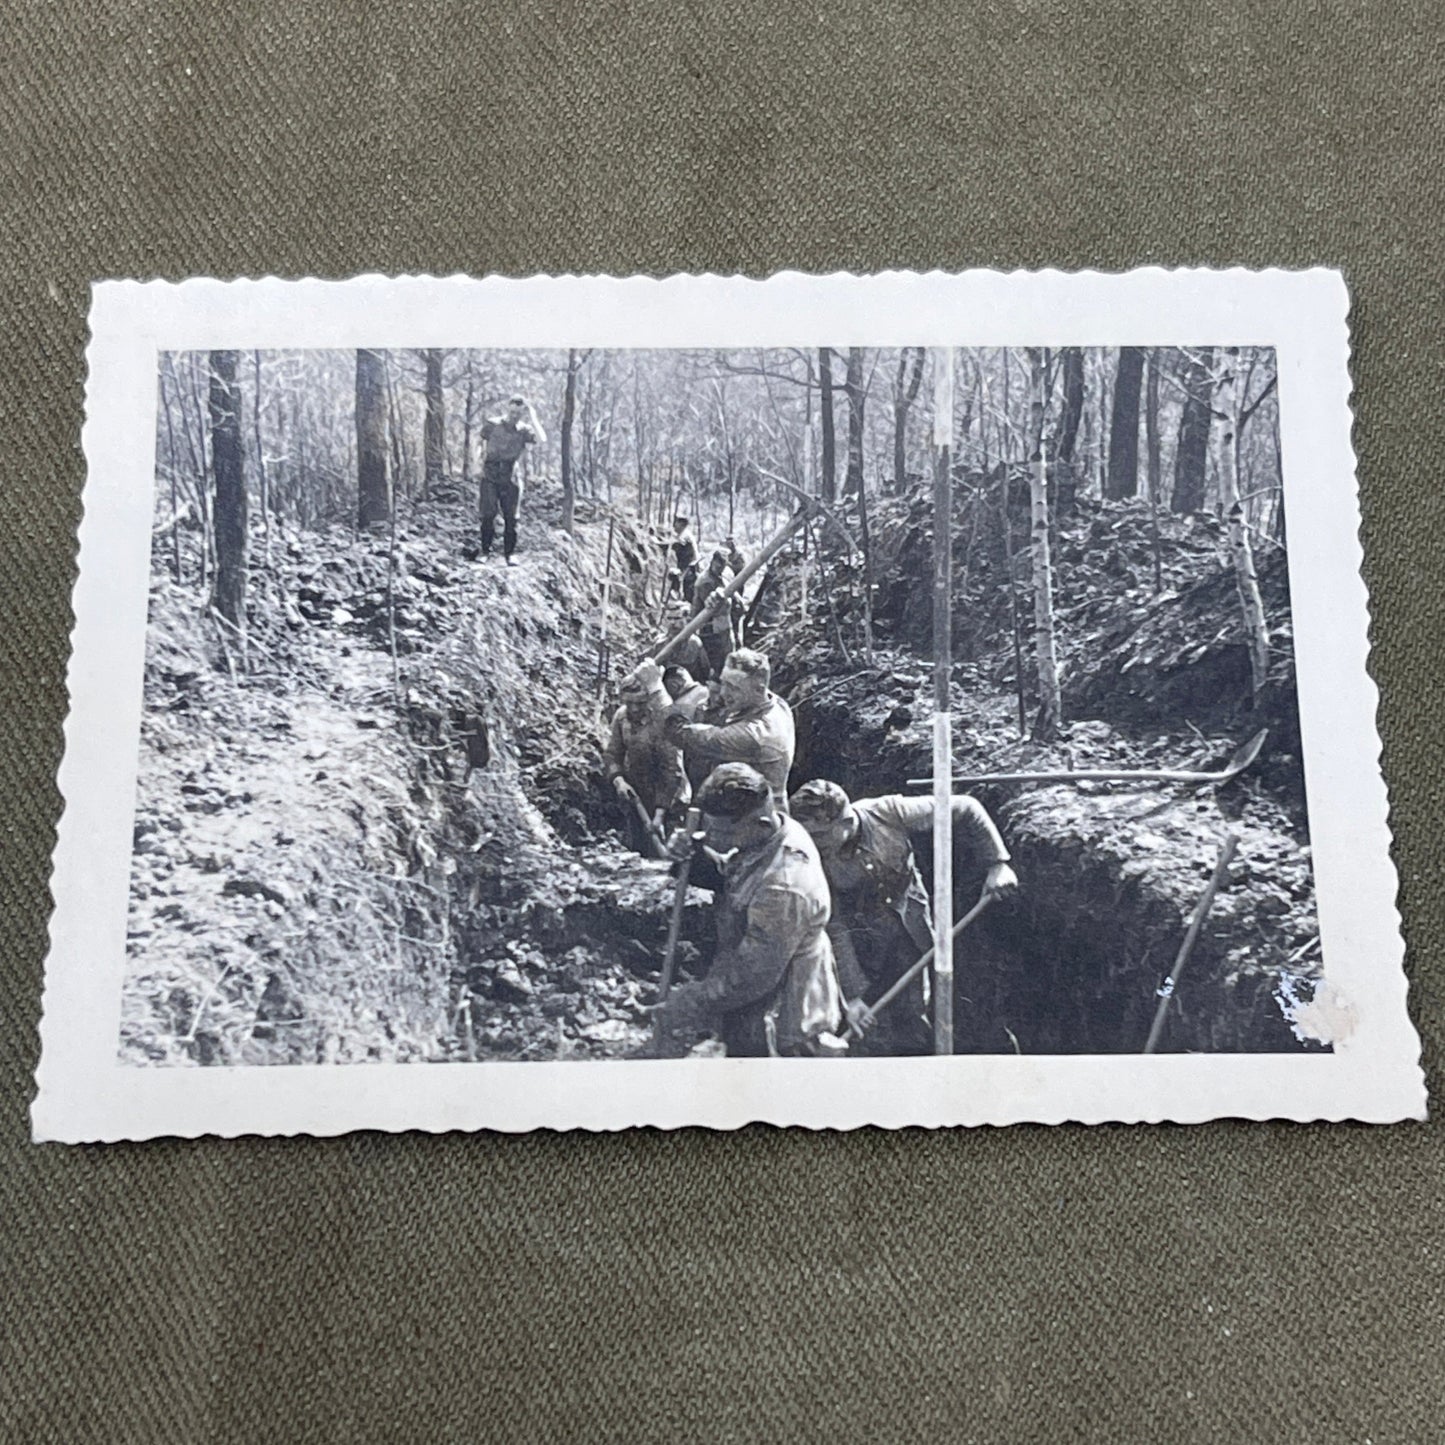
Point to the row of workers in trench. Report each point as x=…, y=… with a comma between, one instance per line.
x=819, y=905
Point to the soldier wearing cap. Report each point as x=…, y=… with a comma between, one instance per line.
x=882, y=921
x=757, y=728
x=772, y=989
x=641, y=763
x=717, y=631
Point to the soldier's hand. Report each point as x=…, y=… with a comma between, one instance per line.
x=1001, y=881
x=679, y=845
x=859, y=1015
x=684, y=1009
x=622, y=786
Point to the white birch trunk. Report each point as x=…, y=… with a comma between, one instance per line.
x=943, y=701
x=1050, y=708
x=810, y=482
x=1225, y=424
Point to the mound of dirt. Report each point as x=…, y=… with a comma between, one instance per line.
x=343, y=856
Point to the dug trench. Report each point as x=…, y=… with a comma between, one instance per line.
x=1109, y=871
x=1072, y=964
x=342, y=861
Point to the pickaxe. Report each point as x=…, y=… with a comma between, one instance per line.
x=721, y=598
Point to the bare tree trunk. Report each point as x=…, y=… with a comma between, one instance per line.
x=1153, y=462
x=1005, y=489
x=373, y=489
x=1101, y=421
x=229, y=596
x=434, y=429
x=1071, y=362
x=171, y=455
x=905, y=393
x=589, y=439
x=1225, y=409
x=1123, y=475
x=829, y=479
x=263, y=481
x=867, y=547
x=729, y=474
x=1191, y=459
x=569, y=410
x=644, y=478
x=943, y=704
x=199, y=388
x=1046, y=725
x=467, y=417
x=810, y=463
x=853, y=386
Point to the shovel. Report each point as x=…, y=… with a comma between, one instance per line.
x=691, y=827
x=1243, y=758
x=656, y=843
x=873, y=1010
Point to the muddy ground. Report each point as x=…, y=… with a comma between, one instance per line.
x=344, y=855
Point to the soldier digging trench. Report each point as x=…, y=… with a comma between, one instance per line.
x=772, y=989
x=882, y=921
x=643, y=766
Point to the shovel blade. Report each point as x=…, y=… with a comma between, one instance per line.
x=1246, y=755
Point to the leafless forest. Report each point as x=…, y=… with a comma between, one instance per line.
x=370, y=823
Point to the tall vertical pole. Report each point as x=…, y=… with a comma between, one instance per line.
x=943, y=700
x=810, y=486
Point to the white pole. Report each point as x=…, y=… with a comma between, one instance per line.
x=810, y=485
x=943, y=700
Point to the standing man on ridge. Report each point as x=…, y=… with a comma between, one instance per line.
x=504, y=439
x=682, y=576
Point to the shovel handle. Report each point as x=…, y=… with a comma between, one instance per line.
x=915, y=969
x=679, y=901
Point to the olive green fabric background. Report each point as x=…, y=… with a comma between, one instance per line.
x=1234, y=1281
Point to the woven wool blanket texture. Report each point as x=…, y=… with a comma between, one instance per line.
x=1231, y=1281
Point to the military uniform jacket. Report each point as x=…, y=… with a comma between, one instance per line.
x=877, y=873
x=505, y=439
x=640, y=753
x=721, y=620
x=773, y=949
x=763, y=737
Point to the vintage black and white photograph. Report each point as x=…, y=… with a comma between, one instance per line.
x=828, y=702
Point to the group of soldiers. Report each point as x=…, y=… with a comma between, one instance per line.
x=819, y=905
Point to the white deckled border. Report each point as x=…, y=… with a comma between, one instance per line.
x=1373, y=1074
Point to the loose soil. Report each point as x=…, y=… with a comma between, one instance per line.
x=345, y=855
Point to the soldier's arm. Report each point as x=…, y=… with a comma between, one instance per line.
x=730, y=742
x=614, y=752
x=534, y=426
x=984, y=839
x=970, y=817
x=673, y=787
